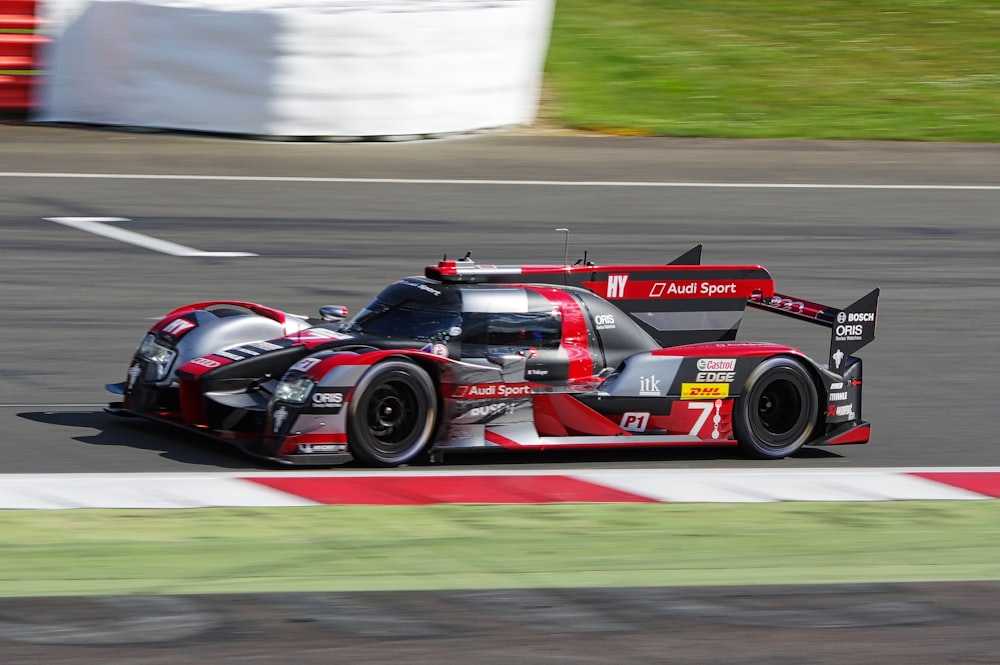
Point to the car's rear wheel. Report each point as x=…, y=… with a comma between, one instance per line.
x=391, y=416
x=778, y=410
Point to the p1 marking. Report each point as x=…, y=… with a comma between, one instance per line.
x=97, y=226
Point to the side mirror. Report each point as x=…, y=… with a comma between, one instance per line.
x=511, y=366
x=333, y=313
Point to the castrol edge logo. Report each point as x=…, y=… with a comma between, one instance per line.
x=716, y=364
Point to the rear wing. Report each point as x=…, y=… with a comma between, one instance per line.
x=680, y=302
x=683, y=301
x=851, y=328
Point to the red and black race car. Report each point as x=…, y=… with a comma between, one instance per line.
x=474, y=357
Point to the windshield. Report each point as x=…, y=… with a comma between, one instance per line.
x=406, y=320
x=411, y=308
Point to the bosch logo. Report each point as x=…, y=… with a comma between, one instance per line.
x=859, y=317
x=490, y=410
x=841, y=317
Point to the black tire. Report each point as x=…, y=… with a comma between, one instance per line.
x=391, y=416
x=778, y=410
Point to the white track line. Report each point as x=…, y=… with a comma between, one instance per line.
x=96, y=226
x=522, y=183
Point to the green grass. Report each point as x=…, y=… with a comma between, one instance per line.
x=845, y=69
x=339, y=548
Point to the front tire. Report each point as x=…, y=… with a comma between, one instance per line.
x=778, y=410
x=391, y=416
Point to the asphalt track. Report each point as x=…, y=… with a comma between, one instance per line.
x=332, y=223
x=917, y=624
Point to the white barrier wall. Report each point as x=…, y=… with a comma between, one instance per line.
x=351, y=68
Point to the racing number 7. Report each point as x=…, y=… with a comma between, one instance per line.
x=706, y=409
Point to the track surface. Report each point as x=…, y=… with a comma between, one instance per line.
x=917, y=220
x=898, y=216
x=920, y=624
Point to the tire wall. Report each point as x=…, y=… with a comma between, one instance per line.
x=20, y=42
x=315, y=68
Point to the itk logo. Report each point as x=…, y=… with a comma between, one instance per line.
x=616, y=286
x=649, y=385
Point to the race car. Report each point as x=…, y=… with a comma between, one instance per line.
x=473, y=357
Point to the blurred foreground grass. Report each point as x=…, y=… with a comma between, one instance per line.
x=342, y=548
x=846, y=69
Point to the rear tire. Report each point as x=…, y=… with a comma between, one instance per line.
x=390, y=418
x=778, y=410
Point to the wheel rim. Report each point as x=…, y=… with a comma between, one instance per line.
x=778, y=407
x=392, y=417
x=778, y=416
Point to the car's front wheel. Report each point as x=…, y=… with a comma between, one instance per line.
x=390, y=419
x=778, y=410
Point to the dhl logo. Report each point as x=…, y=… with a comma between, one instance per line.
x=704, y=390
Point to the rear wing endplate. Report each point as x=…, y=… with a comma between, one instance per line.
x=851, y=328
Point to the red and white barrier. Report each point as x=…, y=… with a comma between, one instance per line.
x=19, y=46
x=315, y=68
x=431, y=486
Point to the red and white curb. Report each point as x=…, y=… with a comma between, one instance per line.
x=418, y=487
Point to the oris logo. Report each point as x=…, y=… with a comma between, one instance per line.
x=326, y=400
x=604, y=321
x=850, y=331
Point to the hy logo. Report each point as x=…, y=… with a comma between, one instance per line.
x=616, y=286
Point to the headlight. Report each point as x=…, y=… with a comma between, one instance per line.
x=294, y=389
x=157, y=355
